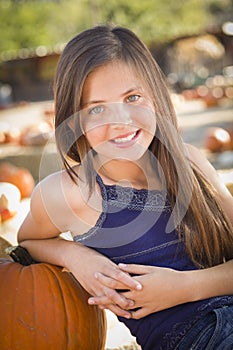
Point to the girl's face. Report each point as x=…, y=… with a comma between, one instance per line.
x=117, y=114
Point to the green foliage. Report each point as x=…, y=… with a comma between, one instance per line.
x=28, y=24
x=32, y=23
x=159, y=20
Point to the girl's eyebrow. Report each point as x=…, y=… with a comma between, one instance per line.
x=93, y=102
x=135, y=88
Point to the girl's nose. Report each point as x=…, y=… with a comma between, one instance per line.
x=120, y=115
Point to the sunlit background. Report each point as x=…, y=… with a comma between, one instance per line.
x=192, y=40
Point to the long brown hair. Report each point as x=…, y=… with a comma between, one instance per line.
x=201, y=222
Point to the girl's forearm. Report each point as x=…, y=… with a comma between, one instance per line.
x=83, y=263
x=57, y=251
x=211, y=282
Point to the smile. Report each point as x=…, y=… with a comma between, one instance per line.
x=126, y=140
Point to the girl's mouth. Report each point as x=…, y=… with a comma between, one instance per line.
x=127, y=139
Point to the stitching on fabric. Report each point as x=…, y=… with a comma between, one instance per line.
x=217, y=330
x=149, y=250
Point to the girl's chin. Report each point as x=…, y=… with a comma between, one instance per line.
x=121, y=156
x=111, y=151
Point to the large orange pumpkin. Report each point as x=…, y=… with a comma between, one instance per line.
x=44, y=308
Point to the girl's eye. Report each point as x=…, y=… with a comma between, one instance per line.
x=133, y=98
x=96, y=110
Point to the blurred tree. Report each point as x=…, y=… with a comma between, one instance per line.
x=159, y=20
x=32, y=23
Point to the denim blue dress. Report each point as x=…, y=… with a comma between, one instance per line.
x=133, y=228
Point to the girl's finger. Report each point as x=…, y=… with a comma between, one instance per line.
x=103, y=300
x=111, y=296
x=125, y=279
x=135, y=269
x=109, y=282
x=118, y=311
x=133, y=304
x=142, y=312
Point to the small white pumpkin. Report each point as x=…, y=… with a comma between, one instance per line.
x=9, y=200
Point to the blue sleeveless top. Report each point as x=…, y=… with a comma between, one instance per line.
x=133, y=229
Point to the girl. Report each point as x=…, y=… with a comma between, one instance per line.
x=150, y=220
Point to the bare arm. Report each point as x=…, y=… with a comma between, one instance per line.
x=40, y=236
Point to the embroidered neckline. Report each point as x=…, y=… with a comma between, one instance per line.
x=125, y=198
x=132, y=198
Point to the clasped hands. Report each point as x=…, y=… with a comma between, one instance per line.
x=151, y=289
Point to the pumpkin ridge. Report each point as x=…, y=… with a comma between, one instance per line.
x=32, y=272
x=41, y=332
x=52, y=286
x=26, y=321
x=67, y=301
x=10, y=304
x=62, y=299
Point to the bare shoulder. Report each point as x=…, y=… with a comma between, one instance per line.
x=58, y=205
x=65, y=203
x=199, y=159
x=57, y=190
x=45, y=207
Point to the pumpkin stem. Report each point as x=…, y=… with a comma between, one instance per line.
x=20, y=255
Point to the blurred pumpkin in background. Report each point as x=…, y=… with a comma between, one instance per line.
x=217, y=140
x=20, y=177
x=231, y=136
x=37, y=134
x=9, y=200
x=9, y=134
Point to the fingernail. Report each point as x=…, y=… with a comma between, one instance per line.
x=138, y=286
x=127, y=316
x=91, y=301
x=131, y=303
x=96, y=274
x=122, y=265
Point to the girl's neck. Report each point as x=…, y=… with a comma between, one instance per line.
x=126, y=173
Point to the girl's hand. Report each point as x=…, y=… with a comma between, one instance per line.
x=162, y=288
x=101, y=278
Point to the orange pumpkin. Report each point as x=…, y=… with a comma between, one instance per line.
x=44, y=308
x=217, y=139
x=231, y=136
x=20, y=177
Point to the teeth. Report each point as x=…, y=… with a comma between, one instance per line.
x=125, y=139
